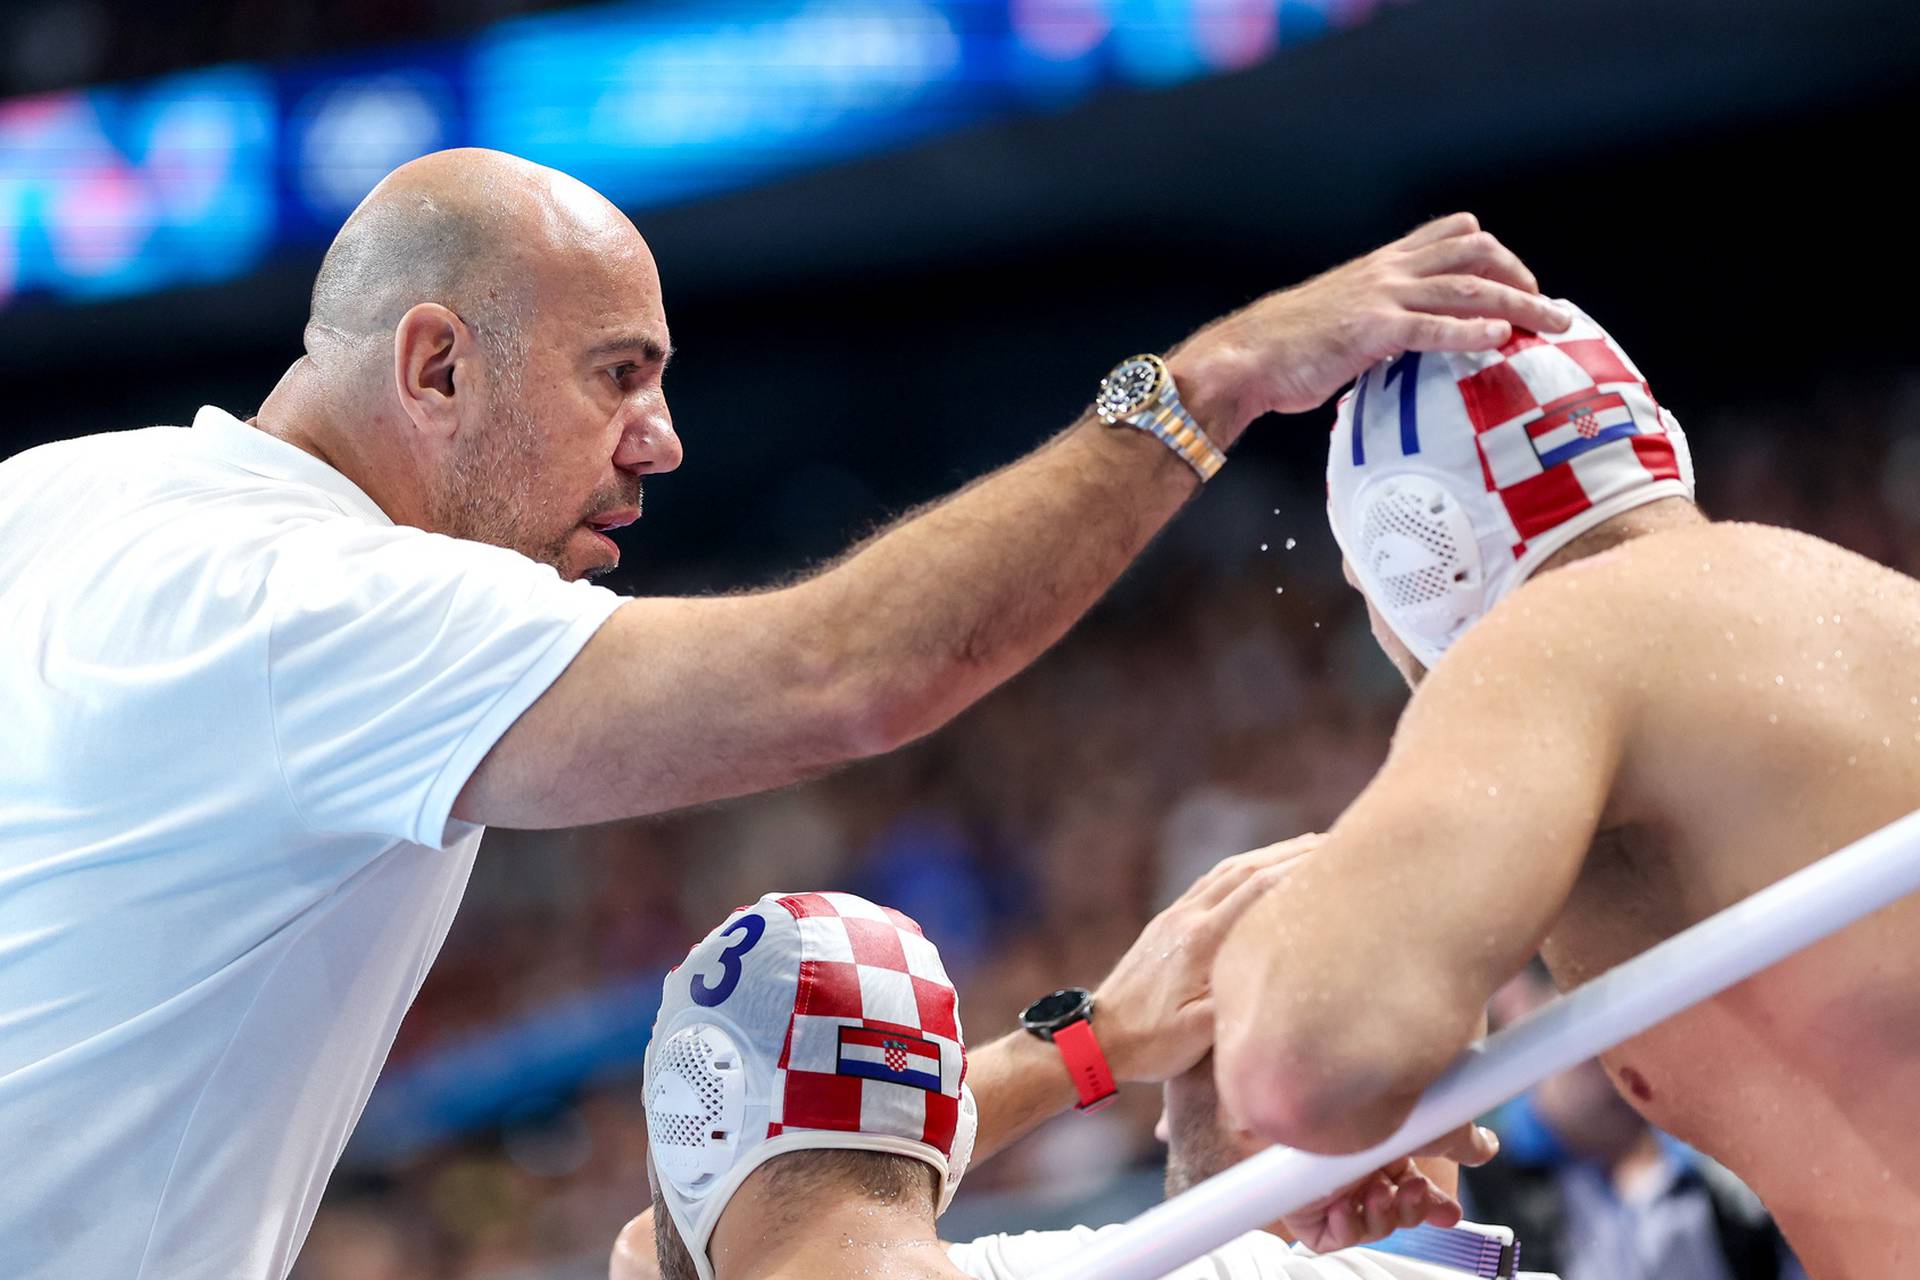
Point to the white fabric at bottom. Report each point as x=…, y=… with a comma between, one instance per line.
x=1254, y=1256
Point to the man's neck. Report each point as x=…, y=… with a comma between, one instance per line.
x=836, y=1237
x=301, y=411
x=1658, y=516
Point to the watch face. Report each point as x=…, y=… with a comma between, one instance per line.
x=1128, y=389
x=1049, y=1013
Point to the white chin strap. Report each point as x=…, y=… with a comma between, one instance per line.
x=1413, y=547
x=964, y=1133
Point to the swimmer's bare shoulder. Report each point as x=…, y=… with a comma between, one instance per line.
x=1758, y=664
x=1592, y=700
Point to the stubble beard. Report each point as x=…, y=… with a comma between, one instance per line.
x=669, y=1249
x=487, y=493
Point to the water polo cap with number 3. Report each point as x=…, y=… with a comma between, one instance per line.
x=806, y=1021
x=1452, y=477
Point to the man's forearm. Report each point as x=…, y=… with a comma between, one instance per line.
x=681, y=701
x=953, y=600
x=1020, y=1084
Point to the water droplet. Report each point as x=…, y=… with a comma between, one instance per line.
x=1779, y=679
x=1276, y=511
x=1886, y=742
x=1316, y=626
x=1773, y=717
x=1820, y=666
x=1279, y=591
x=1263, y=546
x=1852, y=760
x=1820, y=619
x=1493, y=791
x=1291, y=543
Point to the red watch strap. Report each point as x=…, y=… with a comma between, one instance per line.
x=1092, y=1078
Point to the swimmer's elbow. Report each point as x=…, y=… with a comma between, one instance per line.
x=1314, y=1097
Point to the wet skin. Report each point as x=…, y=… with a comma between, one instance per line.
x=1782, y=721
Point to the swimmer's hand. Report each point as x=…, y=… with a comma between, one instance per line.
x=1447, y=286
x=1388, y=1199
x=1154, y=1012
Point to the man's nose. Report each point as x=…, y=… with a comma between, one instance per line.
x=649, y=444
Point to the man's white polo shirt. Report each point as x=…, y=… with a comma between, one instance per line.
x=236, y=705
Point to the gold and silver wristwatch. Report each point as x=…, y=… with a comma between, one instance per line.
x=1140, y=393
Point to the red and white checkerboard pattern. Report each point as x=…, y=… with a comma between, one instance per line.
x=867, y=966
x=1535, y=377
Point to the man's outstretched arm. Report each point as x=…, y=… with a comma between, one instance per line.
x=1346, y=990
x=678, y=701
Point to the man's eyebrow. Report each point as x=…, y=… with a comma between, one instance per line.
x=648, y=348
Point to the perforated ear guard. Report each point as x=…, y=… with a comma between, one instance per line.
x=1415, y=552
x=696, y=1107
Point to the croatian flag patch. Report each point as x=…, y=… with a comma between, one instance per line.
x=1571, y=426
x=894, y=1056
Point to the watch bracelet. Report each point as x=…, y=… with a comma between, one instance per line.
x=1174, y=427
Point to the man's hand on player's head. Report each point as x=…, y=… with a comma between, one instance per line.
x=1154, y=1012
x=1389, y=1199
x=1446, y=286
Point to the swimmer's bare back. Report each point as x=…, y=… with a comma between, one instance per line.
x=1777, y=719
x=1722, y=704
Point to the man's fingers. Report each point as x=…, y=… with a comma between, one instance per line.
x=1471, y=1145
x=1479, y=254
x=1413, y=1201
x=1454, y=224
x=1249, y=891
x=1342, y=1227
x=1416, y=331
x=1473, y=297
x=1229, y=874
x=1381, y=1201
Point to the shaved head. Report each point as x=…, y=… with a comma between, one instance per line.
x=487, y=334
x=469, y=229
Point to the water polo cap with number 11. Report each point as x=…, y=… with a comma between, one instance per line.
x=807, y=1021
x=1452, y=477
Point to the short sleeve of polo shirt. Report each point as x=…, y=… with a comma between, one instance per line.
x=397, y=658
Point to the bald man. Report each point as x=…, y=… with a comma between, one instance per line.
x=264, y=681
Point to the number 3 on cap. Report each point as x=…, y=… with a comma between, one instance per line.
x=750, y=929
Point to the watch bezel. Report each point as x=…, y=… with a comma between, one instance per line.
x=1113, y=412
x=1042, y=1019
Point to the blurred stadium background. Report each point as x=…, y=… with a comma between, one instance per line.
x=901, y=240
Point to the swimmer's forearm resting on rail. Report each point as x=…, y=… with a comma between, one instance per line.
x=1350, y=987
x=679, y=701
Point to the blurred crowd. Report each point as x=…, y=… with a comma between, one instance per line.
x=1228, y=696
x=61, y=44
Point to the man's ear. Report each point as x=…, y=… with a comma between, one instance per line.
x=432, y=354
